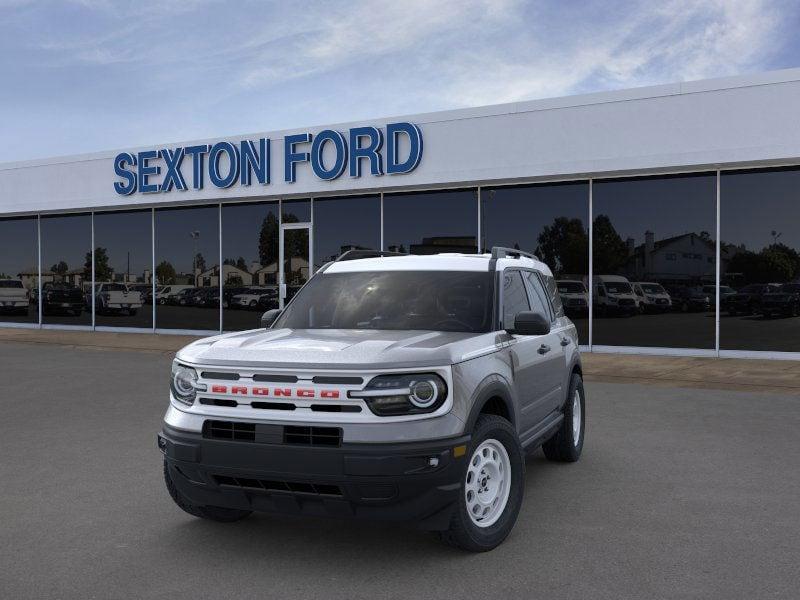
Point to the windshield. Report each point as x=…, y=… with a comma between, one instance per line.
x=652, y=288
x=618, y=288
x=726, y=289
x=571, y=287
x=10, y=283
x=429, y=300
x=114, y=287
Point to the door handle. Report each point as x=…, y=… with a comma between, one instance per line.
x=544, y=349
x=565, y=341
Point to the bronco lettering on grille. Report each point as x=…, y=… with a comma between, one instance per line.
x=241, y=390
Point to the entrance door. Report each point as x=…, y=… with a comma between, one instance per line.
x=294, y=264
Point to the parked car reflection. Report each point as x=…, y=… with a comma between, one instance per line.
x=651, y=297
x=574, y=296
x=748, y=299
x=14, y=298
x=785, y=301
x=62, y=298
x=689, y=299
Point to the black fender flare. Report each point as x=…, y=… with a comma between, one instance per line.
x=493, y=386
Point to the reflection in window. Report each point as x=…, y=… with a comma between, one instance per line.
x=66, y=269
x=654, y=231
x=760, y=260
x=515, y=298
x=187, y=268
x=552, y=221
x=342, y=224
x=19, y=270
x=431, y=222
x=123, y=265
x=249, y=263
x=296, y=211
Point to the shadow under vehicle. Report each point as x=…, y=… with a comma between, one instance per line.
x=613, y=295
x=689, y=299
x=62, y=298
x=14, y=298
x=785, y=301
x=651, y=297
x=747, y=300
x=574, y=296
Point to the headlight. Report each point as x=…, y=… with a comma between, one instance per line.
x=403, y=394
x=184, y=384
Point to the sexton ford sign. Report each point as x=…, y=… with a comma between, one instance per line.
x=225, y=164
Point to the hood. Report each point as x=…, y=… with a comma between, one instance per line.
x=336, y=348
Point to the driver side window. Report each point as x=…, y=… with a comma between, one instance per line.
x=515, y=298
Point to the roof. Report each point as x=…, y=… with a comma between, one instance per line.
x=431, y=262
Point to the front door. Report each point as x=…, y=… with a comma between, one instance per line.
x=536, y=358
x=294, y=262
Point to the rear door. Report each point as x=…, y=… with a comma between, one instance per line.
x=531, y=355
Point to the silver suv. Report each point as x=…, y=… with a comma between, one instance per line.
x=396, y=387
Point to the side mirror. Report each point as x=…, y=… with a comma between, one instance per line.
x=269, y=317
x=531, y=323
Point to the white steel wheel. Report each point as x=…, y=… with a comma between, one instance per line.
x=488, y=483
x=577, y=415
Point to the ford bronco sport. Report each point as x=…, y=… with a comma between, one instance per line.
x=397, y=387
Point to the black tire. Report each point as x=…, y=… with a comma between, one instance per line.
x=212, y=513
x=562, y=447
x=465, y=534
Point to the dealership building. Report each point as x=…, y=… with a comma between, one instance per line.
x=670, y=216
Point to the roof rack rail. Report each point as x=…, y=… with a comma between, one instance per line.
x=501, y=252
x=355, y=254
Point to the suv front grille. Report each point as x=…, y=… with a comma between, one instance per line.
x=230, y=430
x=312, y=436
x=317, y=489
x=268, y=433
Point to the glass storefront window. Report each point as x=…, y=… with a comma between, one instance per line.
x=19, y=270
x=296, y=211
x=187, y=268
x=249, y=263
x=431, y=222
x=654, y=258
x=123, y=265
x=552, y=221
x=342, y=224
x=67, y=269
x=760, y=260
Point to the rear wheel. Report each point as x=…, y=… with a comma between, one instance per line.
x=566, y=445
x=212, y=513
x=491, y=490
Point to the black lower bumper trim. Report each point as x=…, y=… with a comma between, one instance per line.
x=414, y=482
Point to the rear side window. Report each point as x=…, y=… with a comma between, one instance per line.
x=515, y=298
x=538, y=295
x=552, y=292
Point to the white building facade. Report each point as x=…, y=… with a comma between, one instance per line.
x=687, y=184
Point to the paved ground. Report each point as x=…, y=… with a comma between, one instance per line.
x=681, y=493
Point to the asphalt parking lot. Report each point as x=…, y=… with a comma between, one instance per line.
x=681, y=493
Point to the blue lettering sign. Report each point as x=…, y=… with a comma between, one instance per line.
x=226, y=164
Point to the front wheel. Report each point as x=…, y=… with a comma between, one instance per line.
x=492, y=488
x=566, y=445
x=212, y=513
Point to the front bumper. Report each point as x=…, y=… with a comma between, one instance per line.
x=393, y=482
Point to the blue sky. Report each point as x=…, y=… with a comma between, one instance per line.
x=88, y=75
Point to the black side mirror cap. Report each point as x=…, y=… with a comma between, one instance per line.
x=530, y=323
x=269, y=317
